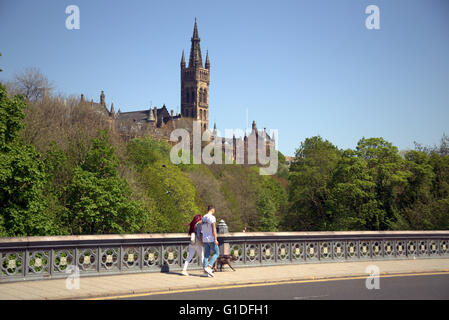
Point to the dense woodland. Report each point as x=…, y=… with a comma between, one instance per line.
x=63, y=172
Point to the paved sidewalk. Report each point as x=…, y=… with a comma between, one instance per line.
x=104, y=286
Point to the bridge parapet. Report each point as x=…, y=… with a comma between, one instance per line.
x=27, y=258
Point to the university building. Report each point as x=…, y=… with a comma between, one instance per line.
x=160, y=122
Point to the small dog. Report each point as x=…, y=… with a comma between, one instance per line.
x=222, y=260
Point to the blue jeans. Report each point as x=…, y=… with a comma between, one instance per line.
x=208, y=246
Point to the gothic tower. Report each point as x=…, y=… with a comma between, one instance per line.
x=195, y=83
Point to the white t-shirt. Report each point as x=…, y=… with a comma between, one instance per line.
x=206, y=227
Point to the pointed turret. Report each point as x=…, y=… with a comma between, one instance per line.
x=112, y=108
x=102, y=99
x=155, y=114
x=195, y=31
x=207, y=64
x=195, y=59
x=151, y=115
x=183, y=61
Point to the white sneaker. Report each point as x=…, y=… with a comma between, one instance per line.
x=184, y=273
x=209, y=271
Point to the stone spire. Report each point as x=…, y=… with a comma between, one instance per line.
x=254, y=126
x=150, y=115
x=207, y=65
x=183, y=60
x=102, y=98
x=155, y=114
x=195, y=31
x=195, y=59
x=112, y=108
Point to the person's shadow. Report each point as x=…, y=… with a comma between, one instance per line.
x=166, y=269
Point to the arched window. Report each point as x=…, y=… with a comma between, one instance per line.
x=205, y=95
x=187, y=97
x=201, y=114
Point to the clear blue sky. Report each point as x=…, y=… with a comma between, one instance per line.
x=303, y=67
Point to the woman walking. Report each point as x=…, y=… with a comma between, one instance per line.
x=196, y=243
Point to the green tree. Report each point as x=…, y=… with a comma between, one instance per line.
x=146, y=151
x=388, y=171
x=22, y=176
x=98, y=199
x=266, y=208
x=314, y=164
x=353, y=204
x=173, y=197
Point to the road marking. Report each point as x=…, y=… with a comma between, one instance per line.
x=250, y=285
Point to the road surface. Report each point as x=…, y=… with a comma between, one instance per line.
x=412, y=286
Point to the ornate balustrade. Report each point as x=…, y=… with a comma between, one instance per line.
x=56, y=257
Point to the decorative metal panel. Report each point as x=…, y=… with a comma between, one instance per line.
x=170, y=256
x=364, y=249
x=12, y=263
x=283, y=252
x=434, y=248
x=339, y=250
x=130, y=258
x=376, y=249
x=423, y=248
x=236, y=250
x=388, y=248
x=252, y=253
x=268, y=253
x=325, y=250
x=87, y=260
x=352, y=250
x=412, y=249
x=312, y=252
x=298, y=251
x=401, y=249
x=152, y=257
x=38, y=262
x=62, y=259
x=109, y=259
x=444, y=247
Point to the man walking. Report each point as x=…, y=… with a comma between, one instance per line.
x=210, y=241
